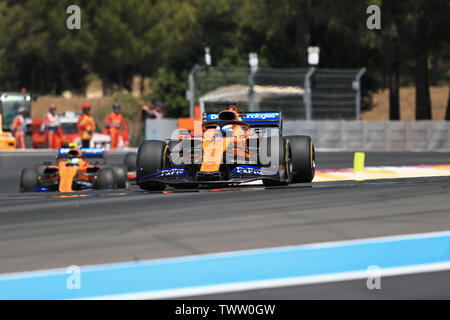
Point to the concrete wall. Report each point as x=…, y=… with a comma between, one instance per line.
x=376, y=136
x=160, y=129
x=350, y=135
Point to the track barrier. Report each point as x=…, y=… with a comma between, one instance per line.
x=349, y=135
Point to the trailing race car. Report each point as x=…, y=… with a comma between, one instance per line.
x=233, y=148
x=76, y=169
x=129, y=162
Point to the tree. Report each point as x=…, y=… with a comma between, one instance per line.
x=393, y=20
x=122, y=38
x=423, y=102
x=432, y=25
x=394, y=76
x=9, y=27
x=36, y=48
x=170, y=89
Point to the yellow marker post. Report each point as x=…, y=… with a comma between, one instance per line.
x=358, y=161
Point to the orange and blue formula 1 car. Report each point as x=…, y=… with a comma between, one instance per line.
x=231, y=149
x=75, y=169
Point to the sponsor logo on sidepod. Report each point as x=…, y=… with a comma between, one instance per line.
x=172, y=172
x=247, y=170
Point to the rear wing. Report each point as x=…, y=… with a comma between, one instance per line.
x=254, y=119
x=85, y=152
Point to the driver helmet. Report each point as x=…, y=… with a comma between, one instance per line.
x=74, y=161
x=227, y=129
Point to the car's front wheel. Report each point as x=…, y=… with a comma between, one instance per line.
x=105, y=178
x=152, y=156
x=28, y=180
x=120, y=177
x=130, y=162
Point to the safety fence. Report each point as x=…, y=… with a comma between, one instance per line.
x=349, y=135
x=299, y=93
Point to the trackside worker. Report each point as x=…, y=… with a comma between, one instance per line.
x=86, y=126
x=19, y=127
x=53, y=125
x=113, y=122
x=159, y=110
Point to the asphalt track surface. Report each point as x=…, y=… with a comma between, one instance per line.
x=51, y=230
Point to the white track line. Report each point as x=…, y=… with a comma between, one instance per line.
x=276, y=283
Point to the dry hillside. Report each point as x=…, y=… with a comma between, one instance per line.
x=380, y=111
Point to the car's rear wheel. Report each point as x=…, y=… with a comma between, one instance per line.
x=303, y=159
x=120, y=177
x=28, y=180
x=105, y=178
x=152, y=156
x=130, y=162
x=284, y=158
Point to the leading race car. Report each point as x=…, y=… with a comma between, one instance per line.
x=233, y=148
x=75, y=169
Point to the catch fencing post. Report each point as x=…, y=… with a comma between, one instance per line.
x=307, y=93
x=191, y=93
x=357, y=87
x=251, y=92
x=253, y=63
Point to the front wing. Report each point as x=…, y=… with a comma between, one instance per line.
x=51, y=183
x=234, y=175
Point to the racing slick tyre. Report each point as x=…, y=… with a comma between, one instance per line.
x=303, y=159
x=105, y=178
x=152, y=156
x=284, y=158
x=120, y=177
x=28, y=180
x=40, y=170
x=130, y=162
